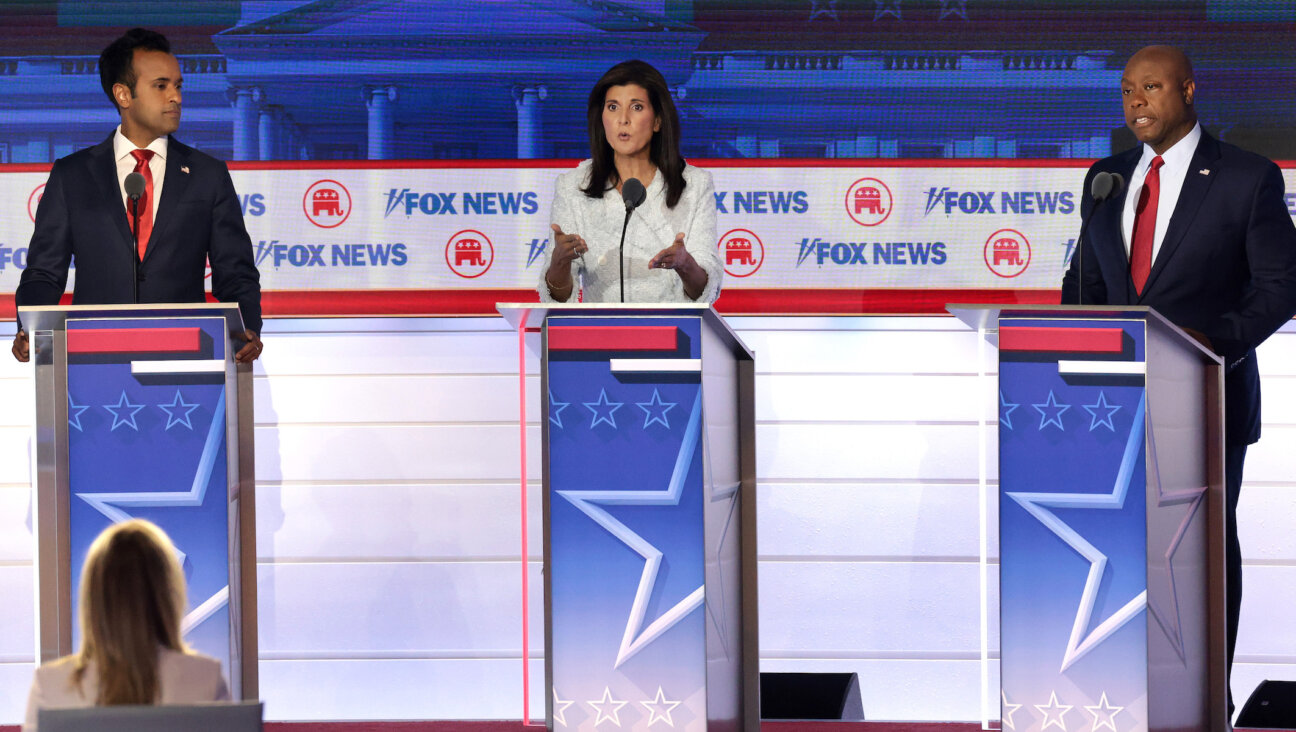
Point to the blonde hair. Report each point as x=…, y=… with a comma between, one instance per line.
x=132, y=601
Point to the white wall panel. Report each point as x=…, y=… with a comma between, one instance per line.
x=1267, y=523
x=402, y=399
x=15, y=455
x=400, y=522
x=15, y=532
x=872, y=398
x=1272, y=459
x=1267, y=628
x=849, y=452
x=17, y=614
x=380, y=609
x=15, y=682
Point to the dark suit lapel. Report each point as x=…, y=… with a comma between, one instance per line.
x=174, y=183
x=103, y=168
x=1107, y=238
x=1195, y=186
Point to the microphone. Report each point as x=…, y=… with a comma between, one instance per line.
x=633, y=193
x=135, y=187
x=1104, y=186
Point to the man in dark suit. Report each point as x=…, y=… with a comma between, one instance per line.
x=1203, y=236
x=188, y=214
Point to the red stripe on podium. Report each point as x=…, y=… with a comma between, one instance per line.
x=134, y=340
x=1062, y=340
x=613, y=338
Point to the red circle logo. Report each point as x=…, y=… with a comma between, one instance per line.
x=469, y=254
x=742, y=252
x=868, y=202
x=1007, y=253
x=34, y=200
x=327, y=204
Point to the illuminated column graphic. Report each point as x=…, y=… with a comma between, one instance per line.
x=382, y=121
x=269, y=132
x=529, y=129
x=245, y=100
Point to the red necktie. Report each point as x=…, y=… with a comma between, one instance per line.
x=1145, y=226
x=145, y=204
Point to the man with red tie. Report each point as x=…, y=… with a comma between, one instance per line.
x=187, y=215
x=1202, y=235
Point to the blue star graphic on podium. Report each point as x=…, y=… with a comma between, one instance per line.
x=655, y=410
x=636, y=637
x=1101, y=413
x=174, y=413
x=1051, y=412
x=74, y=413
x=556, y=409
x=118, y=409
x=1006, y=409
x=603, y=410
x=1083, y=640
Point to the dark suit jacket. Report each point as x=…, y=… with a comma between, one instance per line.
x=1227, y=266
x=198, y=218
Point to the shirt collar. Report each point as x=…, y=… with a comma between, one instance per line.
x=1179, y=156
x=123, y=147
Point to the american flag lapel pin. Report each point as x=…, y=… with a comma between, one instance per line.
x=1204, y=171
x=185, y=169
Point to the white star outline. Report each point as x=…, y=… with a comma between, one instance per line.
x=1007, y=408
x=886, y=7
x=1169, y=619
x=655, y=714
x=74, y=420
x=1048, y=405
x=953, y=7
x=556, y=409
x=1104, y=714
x=817, y=9
x=614, y=716
x=1007, y=711
x=635, y=640
x=560, y=708
x=655, y=404
x=110, y=505
x=178, y=404
x=603, y=401
x=1102, y=405
x=1079, y=644
x=119, y=419
x=1048, y=711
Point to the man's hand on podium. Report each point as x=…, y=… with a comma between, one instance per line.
x=1201, y=338
x=247, y=354
x=20, y=351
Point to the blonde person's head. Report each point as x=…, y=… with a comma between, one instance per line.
x=132, y=601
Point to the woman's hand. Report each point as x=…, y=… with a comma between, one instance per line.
x=678, y=258
x=567, y=247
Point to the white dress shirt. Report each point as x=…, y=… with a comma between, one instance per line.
x=1174, y=169
x=652, y=228
x=122, y=149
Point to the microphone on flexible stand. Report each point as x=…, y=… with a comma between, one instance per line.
x=135, y=186
x=1104, y=186
x=633, y=193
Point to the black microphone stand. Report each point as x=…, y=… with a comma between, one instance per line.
x=135, y=260
x=621, y=250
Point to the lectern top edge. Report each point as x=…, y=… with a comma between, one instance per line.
x=53, y=317
x=985, y=319
x=532, y=315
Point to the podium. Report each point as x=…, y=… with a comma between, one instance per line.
x=1111, y=520
x=141, y=412
x=649, y=517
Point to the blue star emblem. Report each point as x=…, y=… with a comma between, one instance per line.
x=637, y=636
x=1006, y=409
x=603, y=410
x=655, y=410
x=1038, y=505
x=556, y=409
x=1107, y=412
x=1051, y=411
x=118, y=413
x=74, y=413
x=174, y=411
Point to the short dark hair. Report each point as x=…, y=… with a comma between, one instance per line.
x=664, y=149
x=116, y=63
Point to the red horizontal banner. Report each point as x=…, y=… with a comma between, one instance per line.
x=134, y=340
x=826, y=301
x=638, y=338
x=1062, y=340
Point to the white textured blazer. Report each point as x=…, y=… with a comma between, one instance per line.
x=652, y=228
x=185, y=678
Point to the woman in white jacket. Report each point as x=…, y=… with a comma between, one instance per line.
x=132, y=601
x=670, y=242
